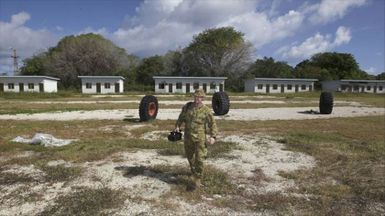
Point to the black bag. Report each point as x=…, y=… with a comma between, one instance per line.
x=174, y=136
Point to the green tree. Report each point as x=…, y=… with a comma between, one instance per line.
x=217, y=52
x=149, y=67
x=268, y=67
x=339, y=65
x=381, y=76
x=34, y=65
x=88, y=54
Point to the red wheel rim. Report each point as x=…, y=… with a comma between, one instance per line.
x=151, y=109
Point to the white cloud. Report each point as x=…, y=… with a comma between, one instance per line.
x=329, y=10
x=260, y=29
x=26, y=41
x=315, y=44
x=371, y=70
x=162, y=25
x=342, y=36
x=159, y=27
x=101, y=31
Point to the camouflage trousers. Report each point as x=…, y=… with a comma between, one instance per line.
x=196, y=153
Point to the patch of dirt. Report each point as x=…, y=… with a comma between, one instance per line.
x=282, y=113
x=145, y=189
x=126, y=129
x=155, y=135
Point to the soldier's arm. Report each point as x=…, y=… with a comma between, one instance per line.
x=181, y=118
x=212, y=124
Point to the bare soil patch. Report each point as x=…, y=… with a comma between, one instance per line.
x=282, y=113
x=258, y=153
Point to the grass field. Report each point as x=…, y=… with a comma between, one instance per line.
x=348, y=179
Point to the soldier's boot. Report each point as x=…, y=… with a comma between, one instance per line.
x=196, y=183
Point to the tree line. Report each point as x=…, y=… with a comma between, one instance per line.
x=213, y=52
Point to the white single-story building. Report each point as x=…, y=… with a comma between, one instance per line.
x=102, y=84
x=369, y=86
x=28, y=84
x=279, y=85
x=171, y=84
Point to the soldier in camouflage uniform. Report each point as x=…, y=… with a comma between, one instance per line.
x=199, y=121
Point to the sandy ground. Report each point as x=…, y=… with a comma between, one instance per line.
x=173, y=102
x=283, y=113
x=258, y=152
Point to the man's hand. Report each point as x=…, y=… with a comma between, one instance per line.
x=211, y=141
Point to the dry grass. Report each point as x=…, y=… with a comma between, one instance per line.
x=348, y=179
x=86, y=201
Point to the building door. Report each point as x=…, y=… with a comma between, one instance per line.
x=187, y=87
x=41, y=87
x=1, y=87
x=267, y=88
x=296, y=88
x=98, y=88
x=375, y=89
x=21, y=87
x=282, y=88
x=310, y=88
x=221, y=87
x=117, y=87
x=204, y=87
x=170, y=88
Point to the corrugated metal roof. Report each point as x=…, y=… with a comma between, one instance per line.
x=44, y=77
x=102, y=77
x=180, y=77
x=285, y=79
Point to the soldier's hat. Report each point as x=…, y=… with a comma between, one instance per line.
x=199, y=93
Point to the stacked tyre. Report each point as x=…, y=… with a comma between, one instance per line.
x=148, y=108
x=220, y=103
x=326, y=103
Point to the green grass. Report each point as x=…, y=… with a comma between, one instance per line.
x=348, y=177
x=86, y=201
x=215, y=181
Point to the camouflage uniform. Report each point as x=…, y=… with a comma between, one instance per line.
x=198, y=121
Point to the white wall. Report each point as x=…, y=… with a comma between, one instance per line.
x=253, y=86
x=174, y=81
x=102, y=82
x=337, y=85
x=49, y=85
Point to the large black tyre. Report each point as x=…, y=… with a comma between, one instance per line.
x=326, y=103
x=148, y=108
x=220, y=103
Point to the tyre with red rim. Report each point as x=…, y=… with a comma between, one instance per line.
x=148, y=108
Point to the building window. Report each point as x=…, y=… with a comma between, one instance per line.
x=107, y=85
x=289, y=87
x=196, y=85
x=303, y=87
x=161, y=85
x=31, y=85
x=260, y=86
x=88, y=85
x=380, y=88
x=275, y=86
x=356, y=88
x=179, y=85
x=11, y=86
x=213, y=85
x=368, y=88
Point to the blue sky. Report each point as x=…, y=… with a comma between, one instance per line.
x=287, y=30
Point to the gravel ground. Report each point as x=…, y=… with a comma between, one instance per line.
x=283, y=113
x=258, y=152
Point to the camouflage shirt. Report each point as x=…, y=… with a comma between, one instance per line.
x=198, y=121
